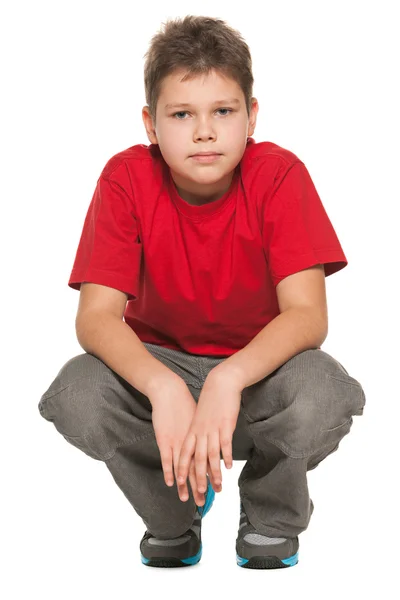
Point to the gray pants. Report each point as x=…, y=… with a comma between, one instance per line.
x=288, y=423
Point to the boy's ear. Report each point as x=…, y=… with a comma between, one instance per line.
x=148, y=123
x=253, y=117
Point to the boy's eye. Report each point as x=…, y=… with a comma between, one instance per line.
x=184, y=112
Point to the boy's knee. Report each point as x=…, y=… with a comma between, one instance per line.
x=70, y=400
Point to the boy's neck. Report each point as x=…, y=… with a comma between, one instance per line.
x=197, y=194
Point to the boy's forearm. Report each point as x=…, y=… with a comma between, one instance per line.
x=109, y=338
x=291, y=332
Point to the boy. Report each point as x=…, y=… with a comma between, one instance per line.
x=202, y=311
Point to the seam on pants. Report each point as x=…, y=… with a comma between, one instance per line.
x=202, y=375
x=49, y=394
x=296, y=455
x=343, y=380
x=348, y=421
x=137, y=439
x=196, y=387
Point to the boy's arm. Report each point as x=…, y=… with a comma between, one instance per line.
x=302, y=325
x=101, y=331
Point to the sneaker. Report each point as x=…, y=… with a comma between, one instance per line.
x=184, y=551
x=257, y=551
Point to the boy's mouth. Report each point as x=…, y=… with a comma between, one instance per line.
x=205, y=156
x=208, y=153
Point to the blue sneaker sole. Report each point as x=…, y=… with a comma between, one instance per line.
x=267, y=562
x=192, y=560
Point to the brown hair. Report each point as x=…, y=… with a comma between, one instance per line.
x=197, y=45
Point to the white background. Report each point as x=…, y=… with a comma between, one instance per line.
x=72, y=93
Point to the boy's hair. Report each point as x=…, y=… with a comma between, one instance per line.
x=197, y=45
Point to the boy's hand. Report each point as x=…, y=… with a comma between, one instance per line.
x=173, y=411
x=211, y=431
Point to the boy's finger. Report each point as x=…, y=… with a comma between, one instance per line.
x=166, y=462
x=216, y=488
x=185, y=457
x=214, y=458
x=183, y=491
x=226, y=448
x=198, y=497
x=200, y=462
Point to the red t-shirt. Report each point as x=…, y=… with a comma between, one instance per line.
x=201, y=279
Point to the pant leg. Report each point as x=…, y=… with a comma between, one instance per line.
x=296, y=417
x=101, y=414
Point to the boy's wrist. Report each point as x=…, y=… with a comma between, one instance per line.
x=226, y=374
x=167, y=378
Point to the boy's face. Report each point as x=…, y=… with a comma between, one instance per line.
x=212, y=122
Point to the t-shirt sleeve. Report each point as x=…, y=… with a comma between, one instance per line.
x=109, y=251
x=297, y=232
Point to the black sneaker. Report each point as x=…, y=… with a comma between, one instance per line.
x=257, y=551
x=184, y=551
